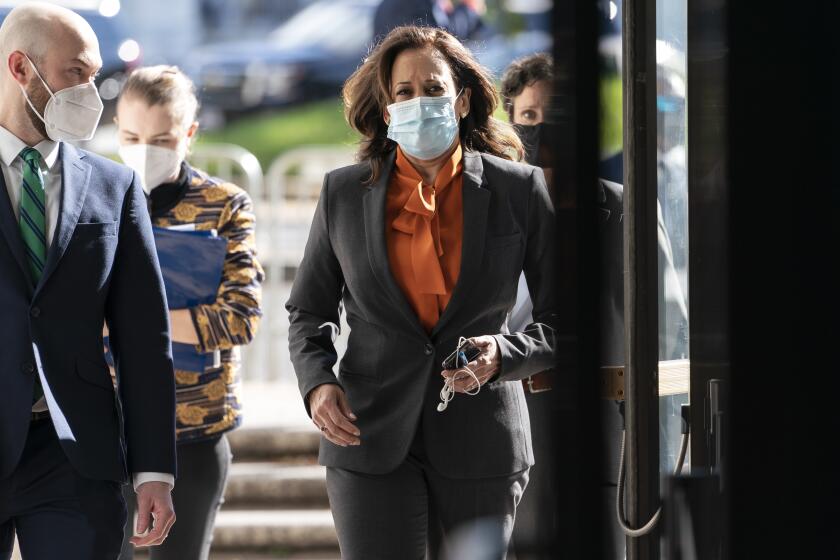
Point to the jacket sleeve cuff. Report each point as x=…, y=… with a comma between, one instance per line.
x=521, y=356
x=143, y=477
x=508, y=364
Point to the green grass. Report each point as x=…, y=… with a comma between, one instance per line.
x=267, y=135
x=611, y=113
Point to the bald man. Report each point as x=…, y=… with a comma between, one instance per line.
x=76, y=249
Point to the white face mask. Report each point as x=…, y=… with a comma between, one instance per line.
x=155, y=165
x=71, y=114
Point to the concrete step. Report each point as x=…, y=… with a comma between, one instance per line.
x=250, y=555
x=271, y=443
x=276, y=485
x=277, y=532
x=266, y=534
x=246, y=555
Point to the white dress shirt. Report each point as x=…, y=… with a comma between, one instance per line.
x=12, y=167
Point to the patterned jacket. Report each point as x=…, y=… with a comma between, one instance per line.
x=208, y=403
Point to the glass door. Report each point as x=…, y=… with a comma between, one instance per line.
x=672, y=225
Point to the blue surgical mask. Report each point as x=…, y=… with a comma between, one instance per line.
x=424, y=127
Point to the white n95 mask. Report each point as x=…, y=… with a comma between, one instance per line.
x=424, y=127
x=153, y=164
x=72, y=114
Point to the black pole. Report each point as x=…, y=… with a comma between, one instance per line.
x=579, y=523
x=642, y=276
x=708, y=213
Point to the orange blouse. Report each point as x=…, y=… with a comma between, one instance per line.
x=423, y=229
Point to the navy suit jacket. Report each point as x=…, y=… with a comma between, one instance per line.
x=101, y=265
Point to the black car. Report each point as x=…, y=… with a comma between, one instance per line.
x=312, y=54
x=307, y=57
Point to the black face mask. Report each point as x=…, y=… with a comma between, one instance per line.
x=539, y=141
x=530, y=135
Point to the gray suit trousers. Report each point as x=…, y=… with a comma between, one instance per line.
x=416, y=513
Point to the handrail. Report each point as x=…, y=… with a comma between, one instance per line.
x=226, y=158
x=316, y=159
x=674, y=377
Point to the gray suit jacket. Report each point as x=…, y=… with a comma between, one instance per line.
x=391, y=370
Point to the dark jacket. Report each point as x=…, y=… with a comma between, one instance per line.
x=101, y=265
x=462, y=21
x=391, y=370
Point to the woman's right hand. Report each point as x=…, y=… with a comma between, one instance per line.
x=331, y=413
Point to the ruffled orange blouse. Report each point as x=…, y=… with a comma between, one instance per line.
x=423, y=229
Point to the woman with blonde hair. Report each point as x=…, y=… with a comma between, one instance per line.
x=156, y=119
x=423, y=242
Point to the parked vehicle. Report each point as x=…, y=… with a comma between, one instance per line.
x=307, y=57
x=311, y=55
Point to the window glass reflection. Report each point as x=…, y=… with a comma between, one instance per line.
x=673, y=211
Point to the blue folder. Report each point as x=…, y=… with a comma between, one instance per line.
x=191, y=263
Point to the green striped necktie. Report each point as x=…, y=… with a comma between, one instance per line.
x=33, y=223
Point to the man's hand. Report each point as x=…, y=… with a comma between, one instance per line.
x=485, y=366
x=153, y=499
x=332, y=415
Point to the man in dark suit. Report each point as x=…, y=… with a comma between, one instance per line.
x=76, y=250
x=462, y=19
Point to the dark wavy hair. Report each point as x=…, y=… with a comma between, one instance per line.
x=523, y=72
x=367, y=92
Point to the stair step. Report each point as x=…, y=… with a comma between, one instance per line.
x=268, y=530
x=273, y=485
x=251, y=555
x=275, y=443
x=284, y=555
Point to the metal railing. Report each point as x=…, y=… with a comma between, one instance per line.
x=284, y=203
x=232, y=163
x=292, y=186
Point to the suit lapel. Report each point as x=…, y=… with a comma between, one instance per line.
x=11, y=231
x=374, y=208
x=75, y=176
x=476, y=203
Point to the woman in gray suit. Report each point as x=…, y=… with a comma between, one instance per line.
x=423, y=242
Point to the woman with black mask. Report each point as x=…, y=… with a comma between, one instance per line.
x=526, y=95
x=526, y=89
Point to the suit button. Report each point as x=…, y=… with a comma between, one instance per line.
x=35, y=312
x=27, y=367
x=429, y=349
